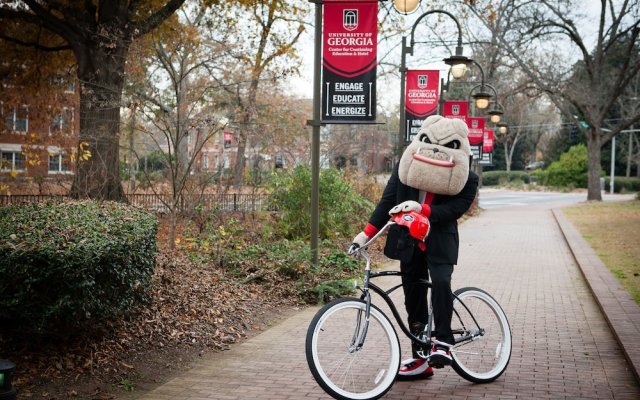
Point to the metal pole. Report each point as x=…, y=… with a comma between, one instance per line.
x=403, y=72
x=315, y=137
x=613, y=163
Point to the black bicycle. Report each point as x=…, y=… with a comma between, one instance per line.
x=353, y=350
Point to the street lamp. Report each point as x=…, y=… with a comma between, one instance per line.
x=406, y=6
x=481, y=98
x=458, y=63
x=495, y=114
x=502, y=127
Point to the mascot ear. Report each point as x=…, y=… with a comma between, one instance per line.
x=432, y=119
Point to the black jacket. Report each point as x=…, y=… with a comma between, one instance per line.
x=442, y=242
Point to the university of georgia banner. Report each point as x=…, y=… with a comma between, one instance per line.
x=476, y=135
x=487, y=148
x=349, y=61
x=456, y=109
x=421, y=99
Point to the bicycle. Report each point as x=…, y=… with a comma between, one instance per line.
x=353, y=350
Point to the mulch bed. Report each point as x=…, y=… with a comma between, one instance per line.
x=194, y=309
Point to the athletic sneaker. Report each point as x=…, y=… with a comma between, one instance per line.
x=413, y=368
x=439, y=357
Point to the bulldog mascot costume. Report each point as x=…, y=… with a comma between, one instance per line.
x=432, y=178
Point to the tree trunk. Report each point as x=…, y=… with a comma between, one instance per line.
x=101, y=78
x=593, y=150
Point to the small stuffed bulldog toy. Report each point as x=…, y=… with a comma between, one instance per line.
x=437, y=160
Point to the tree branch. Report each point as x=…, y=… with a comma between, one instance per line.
x=34, y=45
x=157, y=18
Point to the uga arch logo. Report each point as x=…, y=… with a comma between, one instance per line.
x=422, y=81
x=350, y=19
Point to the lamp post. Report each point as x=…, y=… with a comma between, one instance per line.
x=458, y=63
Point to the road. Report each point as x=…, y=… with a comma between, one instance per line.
x=499, y=198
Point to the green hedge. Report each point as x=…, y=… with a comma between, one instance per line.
x=495, y=178
x=623, y=184
x=63, y=264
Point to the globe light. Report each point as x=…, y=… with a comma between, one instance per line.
x=495, y=118
x=482, y=100
x=458, y=70
x=502, y=127
x=406, y=6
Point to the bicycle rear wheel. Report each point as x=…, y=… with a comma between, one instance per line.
x=341, y=368
x=483, y=336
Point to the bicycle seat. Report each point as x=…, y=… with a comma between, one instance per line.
x=417, y=223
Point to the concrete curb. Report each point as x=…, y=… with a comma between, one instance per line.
x=619, y=309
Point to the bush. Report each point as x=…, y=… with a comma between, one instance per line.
x=342, y=211
x=495, y=178
x=64, y=264
x=622, y=184
x=570, y=171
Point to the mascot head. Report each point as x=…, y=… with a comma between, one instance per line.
x=437, y=160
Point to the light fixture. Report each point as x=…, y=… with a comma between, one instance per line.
x=458, y=70
x=482, y=100
x=502, y=127
x=459, y=63
x=406, y=6
x=495, y=115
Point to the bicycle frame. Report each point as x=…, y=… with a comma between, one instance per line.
x=466, y=334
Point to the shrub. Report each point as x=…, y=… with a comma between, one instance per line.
x=342, y=211
x=494, y=178
x=622, y=184
x=571, y=170
x=64, y=264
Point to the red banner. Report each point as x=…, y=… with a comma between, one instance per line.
x=456, y=109
x=476, y=130
x=421, y=99
x=350, y=42
x=487, y=143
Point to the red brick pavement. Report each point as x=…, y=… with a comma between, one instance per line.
x=562, y=345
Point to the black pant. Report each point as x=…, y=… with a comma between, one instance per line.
x=416, y=296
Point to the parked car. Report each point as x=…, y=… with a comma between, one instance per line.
x=534, y=165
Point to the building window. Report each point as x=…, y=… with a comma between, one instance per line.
x=205, y=160
x=17, y=120
x=12, y=161
x=62, y=122
x=58, y=163
x=67, y=83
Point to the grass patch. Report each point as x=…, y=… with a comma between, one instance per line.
x=612, y=229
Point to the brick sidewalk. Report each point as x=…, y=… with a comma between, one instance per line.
x=562, y=345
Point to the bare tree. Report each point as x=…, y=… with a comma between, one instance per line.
x=539, y=34
x=178, y=102
x=262, y=50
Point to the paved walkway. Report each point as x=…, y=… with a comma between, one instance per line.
x=563, y=347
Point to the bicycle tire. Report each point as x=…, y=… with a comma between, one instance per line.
x=342, y=371
x=485, y=358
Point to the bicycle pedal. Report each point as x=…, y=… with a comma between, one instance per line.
x=436, y=365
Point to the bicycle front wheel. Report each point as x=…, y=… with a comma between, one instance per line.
x=483, y=336
x=341, y=367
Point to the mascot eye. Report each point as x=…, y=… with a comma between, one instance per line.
x=453, y=144
x=425, y=139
